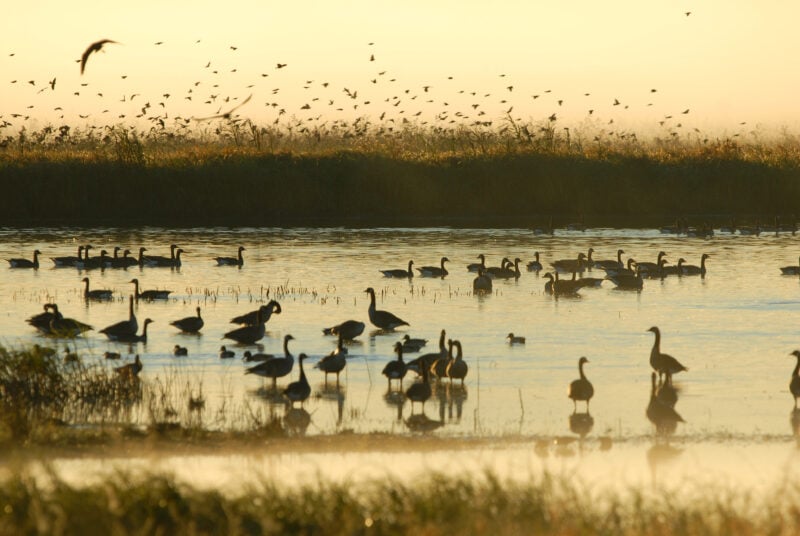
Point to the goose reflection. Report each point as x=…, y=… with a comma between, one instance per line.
x=395, y=399
x=659, y=411
x=420, y=422
x=296, y=421
x=457, y=395
x=581, y=424
x=794, y=420
x=333, y=394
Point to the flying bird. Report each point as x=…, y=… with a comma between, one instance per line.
x=226, y=115
x=94, y=47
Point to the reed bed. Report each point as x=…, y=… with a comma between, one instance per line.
x=360, y=173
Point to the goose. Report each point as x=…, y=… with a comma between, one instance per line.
x=25, y=263
x=232, y=261
x=434, y=271
x=135, y=337
x=382, y=319
x=690, y=269
x=492, y=270
x=81, y=263
x=671, y=270
x=794, y=385
x=663, y=363
x=439, y=367
x=514, y=339
x=482, y=284
x=607, y=264
x=350, y=329
x=180, y=351
x=664, y=417
x=141, y=258
x=628, y=270
x=160, y=261
x=458, y=368
x=149, y=295
x=548, y=286
x=224, y=353
x=587, y=281
x=300, y=390
x=249, y=319
x=124, y=327
x=545, y=230
x=277, y=367
x=95, y=294
x=41, y=321
x=535, y=265
x=131, y=370
x=567, y=266
x=248, y=334
x=565, y=286
x=400, y=274
x=704, y=231
x=426, y=360
x=125, y=261
x=101, y=261
x=412, y=345
x=628, y=282
x=420, y=391
x=477, y=266
x=396, y=370
x=581, y=389
x=647, y=267
x=508, y=273
x=66, y=327
x=62, y=262
x=334, y=362
x=190, y=324
x=791, y=270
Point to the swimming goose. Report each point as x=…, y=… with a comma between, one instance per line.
x=161, y=261
x=567, y=266
x=627, y=282
x=249, y=319
x=231, y=261
x=41, y=321
x=141, y=259
x=794, y=385
x=482, y=284
x=277, y=367
x=548, y=286
x=66, y=327
x=412, y=345
x=190, y=324
x=458, y=368
x=508, y=273
x=125, y=261
x=124, y=327
x=248, y=334
x=95, y=294
x=628, y=270
x=587, y=281
x=334, y=362
x=477, y=266
x=535, y=265
x=62, y=262
x=101, y=261
x=607, y=264
x=663, y=363
x=791, y=270
x=664, y=417
x=300, y=390
x=426, y=360
x=180, y=351
x=25, y=263
x=690, y=269
x=400, y=274
x=131, y=370
x=420, y=391
x=492, y=270
x=513, y=339
x=382, y=319
x=434, y=271
x=350, y=329
x=396, y=370
x=565, y=286
x=149, y=295
x=647, y=267
x=81, y=263
x=581, y=389
x=135, y=337
x=670, y=270
x=224, y=353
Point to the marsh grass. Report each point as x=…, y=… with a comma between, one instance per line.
x=363, y=173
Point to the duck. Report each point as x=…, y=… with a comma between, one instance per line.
x=794, y=384
x=482, y=284
x=426, y=360
x=535, y=265
x=791, y=270
x=412, y=345
x=249, y=319
x=567, y=266
x=607, y=264
x=457, y=369
x=350, y=329
x=663, y=363
x=420, y=391
x=400, y=274
x=664, y=417
x=135, y=337
x=248, y=334
x=690, y=269
x=64, y=262
x=396, y=369
x=98, y=295
x=190, y=324
x=123, y=327
x=149, y=295
x=382, y=319
x=277, y=367
x=66, y=327
x=515, y=339
x=300, y=390
x=434, y=271
x=25, y=263
x=161, y=261
x=477, y=266
x=646, y=268
x=334, y=362
x=232, y=261
x=581, y=389
x=131, y=370
x=224, y=353
x=180, y=351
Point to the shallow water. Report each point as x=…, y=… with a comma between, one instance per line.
x=734, y=329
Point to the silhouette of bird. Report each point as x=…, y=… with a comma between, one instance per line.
x=226, y=115
x=663, y=363
x=581, y=389
x=794, y=385
x=94, y=47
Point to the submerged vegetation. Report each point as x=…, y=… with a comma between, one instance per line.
x=360, y=173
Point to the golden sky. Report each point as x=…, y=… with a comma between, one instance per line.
x=727, y=62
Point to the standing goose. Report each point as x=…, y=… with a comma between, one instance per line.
x=334, y=362
x=42, y=321
x=124, y=327
x=663, y=363
x=400, y=274
x=248, y=334
x=161, y=261
x=149, y=295
x=608, y=264
x=690, y=269
x=439, y=367
x=434, y=271
x=567, y=266
x=794, y=385
x=190, y=324
x=426, y=360
x=420, y=391
x=25, y=263
x=396, y=370
x=250, y=319
x=232, y=261
x=535, y=265
x=482, y=284
x=791, y=270
x=300, y=390
x=95, y=294
x=131, y=370
x=458, y=368
x=350, y=329
x=477, y=266
x=135, y=337
x=277, y=367
x=581, y=389
x=62, y=262
x=382, y=319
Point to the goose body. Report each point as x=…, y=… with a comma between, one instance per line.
x=125, y=261
x=190, y=324
x=493, y=270
x=627, y=282
x=249, y=319
x=690, y=269
x=42, y=321
x=25, y=263
x=535, y=265
x=64, y=262
x=248, y=334
x=434, y=271
x=477, y=266
x=514, y=339
x=663, y=363
x=627, y=270
x=231, y=261
x=607, y=264
x=160, y=261
x=124, y=327
x=565, y=287
x=664, y=417
x=794, y=384
x=791, y=270
x=277, y=367
x=482, y=284
x=101, y=261
x=180, y=351
x=135, y=337
x=350, y=329
x=457, y=369
x=396, y=369
x=149, y=295
x=646, y=268
x=426, y=360
x=300, y=390
x=581, y=389
x=382, y=319
x=98, y=295
x=567, y=266
x=131, y=370
x=334, y=362
x=508, y=272
x=66, y=327
x=400, y=274
x=420, y=391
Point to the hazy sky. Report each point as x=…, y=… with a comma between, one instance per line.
x=727, y=62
